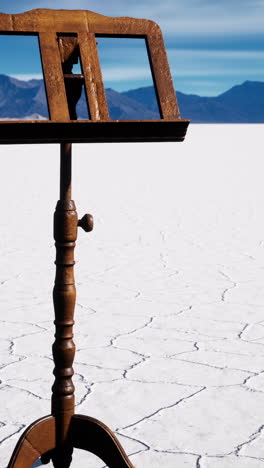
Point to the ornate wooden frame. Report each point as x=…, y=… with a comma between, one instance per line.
x=86, y=25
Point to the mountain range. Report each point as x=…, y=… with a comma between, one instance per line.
x=243, y=103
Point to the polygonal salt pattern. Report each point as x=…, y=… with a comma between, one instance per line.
x=170, y=295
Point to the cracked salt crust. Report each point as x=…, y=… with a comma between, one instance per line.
x=131, y=394
x=202, y=422
x=254, y=447
x=231, y=461
x=170, y=297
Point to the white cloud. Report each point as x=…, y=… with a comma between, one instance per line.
x=216, y=54
x=125, y=73
x=221, y=72
x=26, y=77
x=192, y=17
x=212, y=25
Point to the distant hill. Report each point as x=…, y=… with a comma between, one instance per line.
x=241, y=104
x=124, y=106
x=22, y=98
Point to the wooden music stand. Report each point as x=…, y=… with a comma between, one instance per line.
x=65, y=35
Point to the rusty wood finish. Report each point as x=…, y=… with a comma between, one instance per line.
x=44, y=20
x=92, y=435
x=52, y=71
x=123, y=26
x=38, y=439
x=67, y=21
x=95, y=91
x=58, y=51
x=69, y=54
x=161, y=76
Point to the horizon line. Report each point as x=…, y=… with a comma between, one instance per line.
x=39, y=77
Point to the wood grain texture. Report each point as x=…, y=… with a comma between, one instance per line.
x=69, y=55
x=37, y=439
x=95, y=437
x=64, y=295
x=93, y=77
x=53, y=76
x=46, y=20
x=69, y=52
x=162, y=76
x=85, y=25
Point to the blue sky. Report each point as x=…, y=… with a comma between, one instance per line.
x=212, y=45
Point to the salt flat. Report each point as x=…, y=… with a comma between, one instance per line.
x=169, y=318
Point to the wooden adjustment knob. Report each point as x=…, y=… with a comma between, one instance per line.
x=86, y=223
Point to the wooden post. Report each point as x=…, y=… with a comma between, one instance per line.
x=64, y=294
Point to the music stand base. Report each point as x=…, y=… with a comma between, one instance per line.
x=86, y=433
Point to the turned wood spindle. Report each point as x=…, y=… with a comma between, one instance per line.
x=64, y=294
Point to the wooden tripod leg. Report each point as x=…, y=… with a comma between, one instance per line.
x=92, y=435
x=38, y=439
